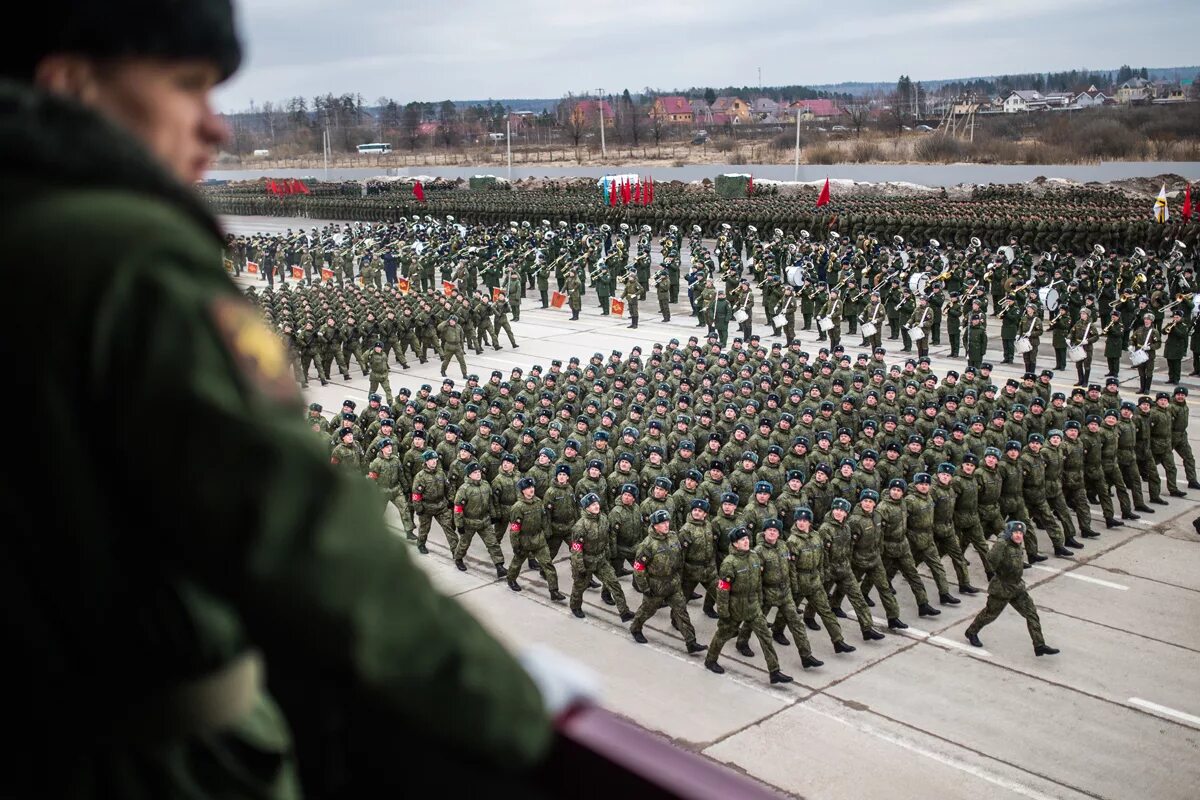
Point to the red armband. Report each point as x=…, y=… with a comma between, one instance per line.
x=373, y=476
x=458, y=509
x=723, y=585
x=577, y=547
x=334, y=460
x=515, y=526
x=416, y=497
x=638, y=566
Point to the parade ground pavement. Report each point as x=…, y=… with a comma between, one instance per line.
x=920, y=714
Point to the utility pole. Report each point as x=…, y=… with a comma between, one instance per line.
x=508, y=141
x=600, y=107
x=796, y=171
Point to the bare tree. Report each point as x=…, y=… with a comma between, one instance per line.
x=857, y=115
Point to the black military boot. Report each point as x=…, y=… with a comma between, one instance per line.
x=1193, y=484
x=1038, y=557
x=1130, y=515
x=1074, y=543
x=1158, y=501
x=578, y=612
x=714, y=667
x=532, y=562
x=780, y=639
x=1145, y=509
x=593, y=584
x=872, y=635
x=1113, y=523
x=973, y=638
x=462, y=567
x=967, y=589
x=607, y=598
x=745, y=650
x=501, y=571
x=422, y=549
x=948, y=599
x=812, y=624
x=780, y=677
x=842, y=647
x=516, y=587
x=897, y=624
x=695, y=647
x=810, y=662
x=557, y=596
x=1062, y=552
x=837, y=612
x=926, y=610
x=626, y=615
x=1045, y=650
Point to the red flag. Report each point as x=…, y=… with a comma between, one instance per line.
x=297, y=272
x=557, y=299
x=299, y=187
x=637, y=193
x=650, y=199
x=612, y=193
x=750, y=186
x=626, y=194
x=823, y=200
x=419, y=192
x=271, y=187
x=1187, y=204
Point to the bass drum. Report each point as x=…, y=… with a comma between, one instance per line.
x=795, y=275
x=1049, y=297
x=917, y=282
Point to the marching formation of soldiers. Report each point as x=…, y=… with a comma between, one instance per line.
x=748, y=475
x=764, y=477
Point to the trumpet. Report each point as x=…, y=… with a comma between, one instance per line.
x=1123, y=298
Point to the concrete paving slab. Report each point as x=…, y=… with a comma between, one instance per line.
x=1087, y=744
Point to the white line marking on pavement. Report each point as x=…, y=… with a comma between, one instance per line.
x=1164, y=711
x=1086, y=578
x=942, y=758
x=917, y=633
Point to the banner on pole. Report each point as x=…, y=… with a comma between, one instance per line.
x=252, y=267
x=617, y=306
x=557, y=299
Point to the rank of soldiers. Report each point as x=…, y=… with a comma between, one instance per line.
x=765, y=479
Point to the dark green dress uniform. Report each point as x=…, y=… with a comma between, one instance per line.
x=293, y=564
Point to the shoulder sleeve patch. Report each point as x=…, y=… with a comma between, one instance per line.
x=257, y=351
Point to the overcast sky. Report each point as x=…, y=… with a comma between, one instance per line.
x=470, y=49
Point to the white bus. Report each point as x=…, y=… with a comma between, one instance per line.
x=375, y=147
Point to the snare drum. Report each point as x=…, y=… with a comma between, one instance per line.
x=778, y=320
x=1023, y=345
x=1077, y=353
x=740, y=316
x=868, y=329
x=825, y=324
x=916, y=334
x=1139, y=357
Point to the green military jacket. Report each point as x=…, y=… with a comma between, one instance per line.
x=142, y=284
x=739, y=585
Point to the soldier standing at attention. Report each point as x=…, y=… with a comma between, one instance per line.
x=662, y=291
x=632, y=294
x=1007, y=587
x=228, y=585
x=739, y=603
x=657, y=574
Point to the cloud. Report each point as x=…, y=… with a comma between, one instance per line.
x=470, y=49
